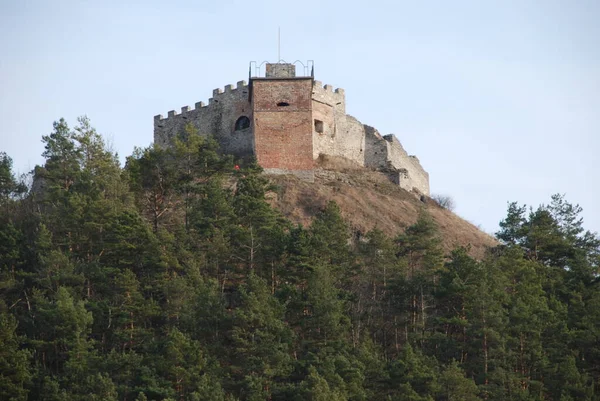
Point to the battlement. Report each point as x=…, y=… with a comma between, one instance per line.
x=218, y=95
x=335, y=98
x=228, y=90
x=318, y=86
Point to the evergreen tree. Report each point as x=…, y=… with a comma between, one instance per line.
x=330, y=238
x=175, y=279
x=184, y=364
x=261, y=235
x=454, y=386
x=9, y=187
x=380, y=268
x=15, y=371
x=419, y=251
x=153, y=179
x=260, y=339
x=411, y=377
x=315, y=388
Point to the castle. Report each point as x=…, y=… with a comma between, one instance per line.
x=287, y=120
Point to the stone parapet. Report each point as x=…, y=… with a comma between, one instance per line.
x=326, y=94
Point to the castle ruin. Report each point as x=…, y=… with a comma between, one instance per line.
x=287, y=120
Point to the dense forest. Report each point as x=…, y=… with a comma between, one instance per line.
x=173, y=278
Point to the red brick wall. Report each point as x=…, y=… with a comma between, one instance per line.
x=283, y=134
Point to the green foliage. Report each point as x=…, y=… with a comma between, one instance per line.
x=455, y=386
x=330, y=237
x=174, y=279
x=315, y=388
x=10, y=187
x=15, y=368
x=260, y=341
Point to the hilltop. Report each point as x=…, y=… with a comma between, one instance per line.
x=369, y=200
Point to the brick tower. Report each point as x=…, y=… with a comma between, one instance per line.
x=282, y=121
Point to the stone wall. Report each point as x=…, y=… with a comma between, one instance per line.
x=376, y=149
x=341, y=135
x=217, y=118
x=415, y=177
x=283, y=125
x=292, y=122
x=280, y=70
x=327, y=95
x=386, y=153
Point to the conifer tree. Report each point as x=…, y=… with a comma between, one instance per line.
x=10, y=187
x=260, y=339
x=419, y=250
x=15, y=371
x=200, y=290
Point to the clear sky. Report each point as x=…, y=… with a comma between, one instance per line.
x=500, y=100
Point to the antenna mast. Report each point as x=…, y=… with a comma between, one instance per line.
x=278, y=44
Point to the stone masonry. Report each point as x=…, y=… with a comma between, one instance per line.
x=286, y=122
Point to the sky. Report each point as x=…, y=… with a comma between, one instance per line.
x=500, y=100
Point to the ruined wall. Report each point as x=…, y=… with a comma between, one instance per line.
x=376, y=149
x=344, y=136
x=282, y=125
x=217, y=118
x=341, y=135
x=415, y=176
x=386, y=153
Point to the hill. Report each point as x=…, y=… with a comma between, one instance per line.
x=174, y=279
x=367, y=201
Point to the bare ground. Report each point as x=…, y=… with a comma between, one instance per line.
x=368, y=200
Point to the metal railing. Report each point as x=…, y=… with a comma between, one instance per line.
x=303, y=69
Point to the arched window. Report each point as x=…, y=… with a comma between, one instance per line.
x=242, y=123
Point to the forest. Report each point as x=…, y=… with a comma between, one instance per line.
x=173, y=278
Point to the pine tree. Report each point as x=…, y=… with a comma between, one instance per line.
x=379, y=268
x=185, y=365
x=455, y=386
x=152, y=175
x=15, y=372
x=315, y=388
x=260, y=339
x=419, y=250
x=9, y=187
x=411, y=377
x=261, y=235
x=330, y=237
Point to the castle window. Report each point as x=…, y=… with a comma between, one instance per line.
x=319, y=126
x=283, y=104
x=242, y=123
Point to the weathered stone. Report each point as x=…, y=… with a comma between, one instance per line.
x=293, y=120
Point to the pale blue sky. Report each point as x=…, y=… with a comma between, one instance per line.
x=500, y=100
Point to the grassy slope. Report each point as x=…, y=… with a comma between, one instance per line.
x=368, y=200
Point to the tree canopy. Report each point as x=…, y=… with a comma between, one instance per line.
x=173, y=278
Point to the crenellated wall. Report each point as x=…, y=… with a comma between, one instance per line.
x=345, y=136
x=327, y=95
x=298, y=118
x=341, y=135
x=216, y=118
